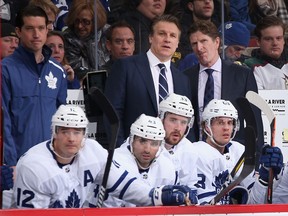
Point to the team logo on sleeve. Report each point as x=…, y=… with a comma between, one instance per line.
x=51, y=81
x=286, y=81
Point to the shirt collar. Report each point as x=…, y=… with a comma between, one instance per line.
x=154, y=61
x=215, y=67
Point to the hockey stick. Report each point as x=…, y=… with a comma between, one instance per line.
x=248, y=157
x=245, y=107
x=259, y=102
x=100, y=99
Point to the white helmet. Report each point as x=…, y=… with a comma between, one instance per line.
x=179, y=105
x=69, y=116
x=220, y=108
x=148, y=127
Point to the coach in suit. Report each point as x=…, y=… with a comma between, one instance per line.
x=231, y=81
x=133, y=83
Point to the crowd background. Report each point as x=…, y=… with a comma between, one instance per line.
x=91, y=35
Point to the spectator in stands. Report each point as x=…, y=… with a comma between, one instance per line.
x=50, y=9
x=10, y=8
x=33, y=86
x=269, y=61
x=120, y=42
x=236, y=40
x=260, y=9
x=239, y=11
x=194, y=10
x=80, y=37
x=9, y=40
x=63, y=6
x=140, y=17
x=55, y=41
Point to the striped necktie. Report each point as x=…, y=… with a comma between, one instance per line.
x=163, y=84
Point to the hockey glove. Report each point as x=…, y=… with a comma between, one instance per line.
x=6, y=177
x=238, y=195
x=271, y=158
x=173, y=195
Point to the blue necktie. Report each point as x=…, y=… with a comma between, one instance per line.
x=163, y=84
x=209, y=88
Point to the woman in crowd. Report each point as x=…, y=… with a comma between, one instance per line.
x=80, y=37
x=55, y=41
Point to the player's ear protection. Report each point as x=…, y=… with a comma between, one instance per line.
x=160, y=149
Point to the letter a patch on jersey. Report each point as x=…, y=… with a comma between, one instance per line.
x=88, y=177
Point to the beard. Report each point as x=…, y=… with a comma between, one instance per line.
x=202, y=16
x=173, y=138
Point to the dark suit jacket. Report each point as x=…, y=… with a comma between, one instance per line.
x=131, y=91
x=236, y=82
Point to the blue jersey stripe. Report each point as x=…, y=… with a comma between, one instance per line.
x=126, y=187
x=118, y=182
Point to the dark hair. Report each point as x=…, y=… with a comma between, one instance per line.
x=59, y=34
x=119, y=24
x=267, y=22
x=165, y=18
x=30, y=10
x=46, y=5
x=206, y=27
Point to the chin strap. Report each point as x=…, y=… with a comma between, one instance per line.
x=66, y=158
x=213, y=140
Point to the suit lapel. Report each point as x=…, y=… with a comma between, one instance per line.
x=226, y=75
x=145, y=71
x=176, y=80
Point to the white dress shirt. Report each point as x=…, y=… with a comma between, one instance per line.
x=154, y=61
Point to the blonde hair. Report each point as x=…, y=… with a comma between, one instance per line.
x=80, y=5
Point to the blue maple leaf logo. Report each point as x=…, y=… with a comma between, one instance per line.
x=220, y=180
x=73, y=200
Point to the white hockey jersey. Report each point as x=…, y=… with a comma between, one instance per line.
x=41, y=182
x=270, y=77
x=161, y=172
x=184, y=156
x=280, y=190
x=214, y=167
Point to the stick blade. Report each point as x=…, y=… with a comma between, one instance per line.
x=259, y=102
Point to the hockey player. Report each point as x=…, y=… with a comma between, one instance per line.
x=219, y=154
x=62, y=172
x=176, y=112
x=271, y=158
x=141, y=155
